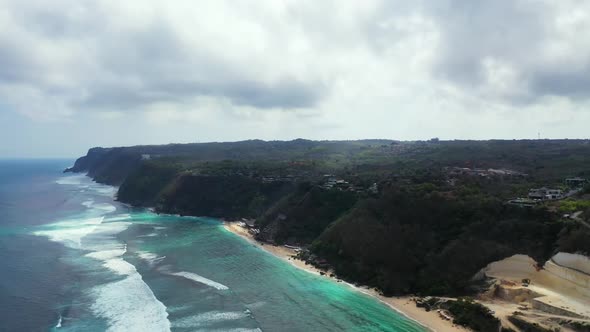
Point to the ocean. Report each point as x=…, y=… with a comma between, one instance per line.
x=74, y=259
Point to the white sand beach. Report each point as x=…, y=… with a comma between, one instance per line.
x=404, y=305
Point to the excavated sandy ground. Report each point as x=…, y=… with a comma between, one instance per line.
x=561, y=290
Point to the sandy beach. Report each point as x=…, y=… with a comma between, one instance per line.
x=404, y=305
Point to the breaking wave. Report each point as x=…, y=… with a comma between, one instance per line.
x=72, y=180
x=208, y=318
x=199, y=279
x=81, y=181
x=113, y=261
x=71, y=232
x=149, y=257
x=127, y=304
x=130, y=305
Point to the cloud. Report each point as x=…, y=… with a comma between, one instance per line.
x=574, y=84
x=107, y=56
x=103, y=57
x=296, y=68
x=515, y=50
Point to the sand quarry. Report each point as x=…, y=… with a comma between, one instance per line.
x=554, y=296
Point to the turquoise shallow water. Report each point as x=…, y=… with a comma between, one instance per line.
x=278, y=296
x=132, y=270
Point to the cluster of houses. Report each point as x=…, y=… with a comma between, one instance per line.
x=249, y=225
x=545, y=194
x=332, y=182
x=538, y=195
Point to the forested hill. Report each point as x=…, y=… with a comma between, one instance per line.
x=420, y=216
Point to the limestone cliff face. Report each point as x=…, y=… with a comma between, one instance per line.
x=576, y=262
x=229, y=197
x=85, y=163
x=571, y=271
x=561, y=287
x=107, y=165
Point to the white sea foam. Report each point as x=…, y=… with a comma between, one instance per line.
x=120, y=266
x=71, y=180
x=88, y=203
x=119, y=217
x=71, y=232
x=149, y=235
x=104, y=207
x=202, y=280
x=207, y=318
x=107, y=254
x=58, y=325
x=112, y=258
x=130, y=305
x=84, y=182
x=108, y=229
x=179, y=308
x=103, y=241
x=237, y=329
x=149, y=257
x=100, y=208
x=105, y=190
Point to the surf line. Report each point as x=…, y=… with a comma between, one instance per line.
x=199, y=279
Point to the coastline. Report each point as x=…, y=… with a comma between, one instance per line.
x=403, y=305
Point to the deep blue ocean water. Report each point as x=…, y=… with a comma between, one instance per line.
x=73, y=259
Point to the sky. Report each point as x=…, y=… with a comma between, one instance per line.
x=78, y=74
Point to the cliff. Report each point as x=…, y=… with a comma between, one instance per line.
x=384, y=213
x=229, y=197
x=108, y=166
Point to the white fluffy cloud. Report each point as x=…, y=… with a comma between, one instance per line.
x=220, y=70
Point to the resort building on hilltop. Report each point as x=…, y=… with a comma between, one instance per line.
x=545, y=193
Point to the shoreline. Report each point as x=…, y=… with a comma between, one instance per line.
x=403, y=305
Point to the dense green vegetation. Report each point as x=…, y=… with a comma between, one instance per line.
x=412, y=240
x=546, y=161
x=527, y=326
x=303, y=215
x=146, y=183
x=473, y=315
x=573, y=205
x=406, y=217
x=578, y=326
x=230, y=197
